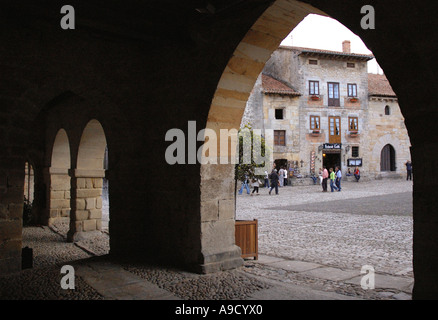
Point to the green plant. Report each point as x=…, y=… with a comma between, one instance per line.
x=242, y=169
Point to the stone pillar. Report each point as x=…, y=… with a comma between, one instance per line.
x=86, y=203
x=425, y=238
x=11, y=213
x=58, y=194
x=218, y=219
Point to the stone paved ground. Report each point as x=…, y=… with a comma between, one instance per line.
x=312, y=246
x=367, y=223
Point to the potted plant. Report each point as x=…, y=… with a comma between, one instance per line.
x=314, y=97
x=354, y=99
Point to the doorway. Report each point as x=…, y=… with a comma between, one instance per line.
x=331, y=160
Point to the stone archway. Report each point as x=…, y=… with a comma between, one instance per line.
x=87, y=182
x=226, y=111
x=58, y=192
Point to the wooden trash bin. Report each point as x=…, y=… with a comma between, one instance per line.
x=247, y=238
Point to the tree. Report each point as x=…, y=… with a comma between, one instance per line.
x=253, y=153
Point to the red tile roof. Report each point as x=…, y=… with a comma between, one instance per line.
x=378, y=85
x=271, y=85
x=339, y=54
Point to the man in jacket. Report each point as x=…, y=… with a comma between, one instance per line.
x=338, y=178
x=274, y=181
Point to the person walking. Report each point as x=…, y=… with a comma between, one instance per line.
x=338, y=178
x=357, y=174
x=320, y=176
x=255, y=185
x=281, y=176
x=244, y=185
x=266, y=180
x=408, y=170
x=274, y=181
x=332, y=180
x=285, y=176
x=325, y=176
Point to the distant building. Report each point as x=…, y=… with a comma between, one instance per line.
x=324, y=109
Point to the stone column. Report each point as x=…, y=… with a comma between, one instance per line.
x=218, y=247
x=58, y=194
x=11, y=213
x=425, y=238
x=86, y=203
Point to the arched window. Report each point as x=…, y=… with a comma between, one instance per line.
x=387, y=110
x=387, y=158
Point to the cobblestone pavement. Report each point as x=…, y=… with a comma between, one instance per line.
x=312, y=246
x=367, y=223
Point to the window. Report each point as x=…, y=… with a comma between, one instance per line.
x=279, y=114
x=352, y=90
x=350, y=65
x=387, y=111
x=313, y=61
x=355, y=152
x=279, y=137
x=353, y=123
x=314, y=123
x=313, y=87
x=333, y=94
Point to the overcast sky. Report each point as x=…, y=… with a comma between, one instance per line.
x=320, y=32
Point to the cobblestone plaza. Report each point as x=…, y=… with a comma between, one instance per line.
x=367, y=223
x=312, y=245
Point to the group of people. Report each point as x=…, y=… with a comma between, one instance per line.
x=356, y=173
x=277, y=179
x=273, y=180
x=335, y=177
x=325, y=175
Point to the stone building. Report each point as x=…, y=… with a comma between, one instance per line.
x=324, y=109
x=131, y=71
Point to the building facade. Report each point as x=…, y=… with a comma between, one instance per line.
x=322, y=108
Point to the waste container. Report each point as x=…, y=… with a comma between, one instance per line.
x=26, y=258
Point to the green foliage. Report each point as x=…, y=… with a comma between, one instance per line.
x=246, y=133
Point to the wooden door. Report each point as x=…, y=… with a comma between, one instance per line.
x=387, y=158
x=334, y=129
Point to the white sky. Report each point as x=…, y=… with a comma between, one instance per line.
x=321, y=32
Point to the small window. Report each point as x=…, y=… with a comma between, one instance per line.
x=355, y=152
x=351, y=65
x=387, y=111
x=279, y=137
x=314, y=123
x=279, y=114
x=313, y=61
x=313, y=87
x=352, y=90
x=353, y=123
